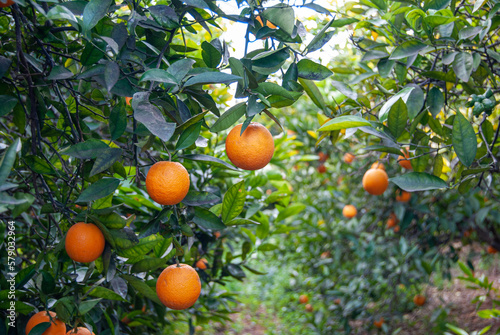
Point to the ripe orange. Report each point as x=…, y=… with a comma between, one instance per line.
x=392, y=221
x=337, y=301
x=326, y=254
x=202, y=264
x=403, y=162
x=127, y=100
x=419, y=300
x=403, y=196
x=6, y=3
x=56, y=328
x=84, y=242
x=378, y=165
x=167, y=183
x=379, y=323
x=269, y=24
x=309, y=308
x=303, y=299
x=349, y=211
x=178, y=286
x=322, y=168
x=491, y=250
x=322, y=156
x=348, y=158
x=217, y=234
x=468, y=232
x=396, y=229
x=80, y=331
x=375, y=181
x=253, y=150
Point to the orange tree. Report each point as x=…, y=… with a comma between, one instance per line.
x=95, y=93
x=419, y=83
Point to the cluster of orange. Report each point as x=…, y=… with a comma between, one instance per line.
x=178, y=286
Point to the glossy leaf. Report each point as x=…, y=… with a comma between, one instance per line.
x=418, y=181
x=464, y=140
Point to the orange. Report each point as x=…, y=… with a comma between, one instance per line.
x=391, y=222
x=348, y=158
x=202, y=264
x=56, y=328
x=309, y=308
x=326, y=254
x=253, y=150
x=217, y=234
x=80, y=331
x=303, y=299
x=403, y=196
x=178, y=286
x=339, y=180
x=403, y=162
x=322, y=156
x=322, y=168
x=396, y=229
x=349, y=211
x=419, y=300
x=379, y=323
x=336, y=301
x=468, y=232
x=378, y=165
x=84, y=242
x=491, y=250
x=127, y=100
x=375, y=181
x=269, y=24
x=6, y=3
x=167, y=183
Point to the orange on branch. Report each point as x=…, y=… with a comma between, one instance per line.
x=127, y=100
x=303, y=299
x=403, y=161
x=251, y=151
x=84, y=242
x=57, y=327
x=6, y=3
x=178, y=286
x=309, y=308
x=349, y=211
x=419, y=300
x=403, y=196
x=491, y=250
x=378, y=323
x=322, y=168
x=378, y=165
x=349, y=158
x=202, y=264
x=80, y=331
x=167, y=183
x=375, y=181
x=268, y=23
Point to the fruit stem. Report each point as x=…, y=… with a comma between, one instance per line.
x=177, y=261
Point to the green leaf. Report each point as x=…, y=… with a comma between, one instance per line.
x=464, y=140
x=313, y=93
x=39, y=165
x=342, y=88
x=233, y=202
x=99, y=189
x=86, y=150
x=343, y=22
x=437, y=169
x=210, y=160
x=212, y=78
x=312, y=71
x=85, y=306
x=321, y=38
x=457, y=330
x=148, y=264
x=282, y=16
x=266, y=88
x=211, y=56
x=241, y=221
x=403, y=94
x=94, y=11
x=463, y=65
x=398, y=117
x=112, y=220
x=7, y=104
x=160, y=76
x=195, y=198
x=102, y=292
x=227, y=119
x=40, y=328
x=105, y=160
x=435, y=101
x=151, y=117
x=8, y=160
x=437, y=4
x=206, y=219
x=344, y=122
x=188, y=136
x=140, y=286
x=117, y=121
x=407, y=49
x=381, y=148
x=267, y=247
x=418, y=181
x=290, y=210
